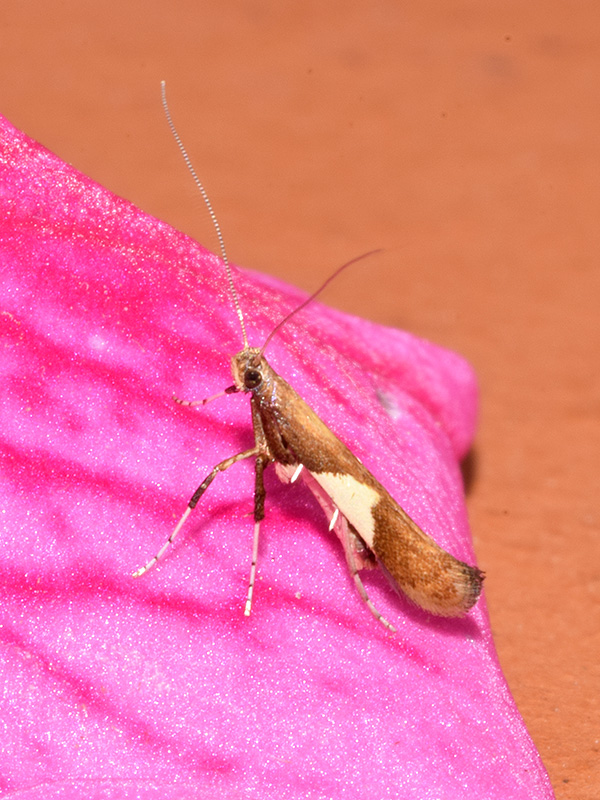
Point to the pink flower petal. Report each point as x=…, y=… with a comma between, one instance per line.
x=160, y=687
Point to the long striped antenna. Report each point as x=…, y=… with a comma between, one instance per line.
x=213, y=216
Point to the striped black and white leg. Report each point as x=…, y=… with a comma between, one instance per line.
x=193, y=502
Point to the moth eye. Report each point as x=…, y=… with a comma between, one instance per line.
x=252, y=378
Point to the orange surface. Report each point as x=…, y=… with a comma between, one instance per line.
x=462, y=137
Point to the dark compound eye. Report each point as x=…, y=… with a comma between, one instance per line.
x=252, y=378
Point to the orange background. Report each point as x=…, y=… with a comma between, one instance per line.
x=464, y=139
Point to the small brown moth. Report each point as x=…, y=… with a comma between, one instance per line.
x=372, y=527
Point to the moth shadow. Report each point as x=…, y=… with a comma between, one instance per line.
x=469, y=469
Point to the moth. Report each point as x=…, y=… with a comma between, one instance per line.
x=373, y=529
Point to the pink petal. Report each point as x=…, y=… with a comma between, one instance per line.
x=160, y=687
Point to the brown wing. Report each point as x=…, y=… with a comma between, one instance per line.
x=414, y=563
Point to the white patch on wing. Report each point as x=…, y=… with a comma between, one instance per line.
x=355, y=500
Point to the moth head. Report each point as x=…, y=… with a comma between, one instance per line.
x=249, y=368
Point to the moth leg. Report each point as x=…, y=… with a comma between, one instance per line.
x=358, y=555
x=352, y=547
x=229, y=390
x=259, y=514
x=193, y=502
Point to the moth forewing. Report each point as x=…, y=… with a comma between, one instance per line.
x=295, y=436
